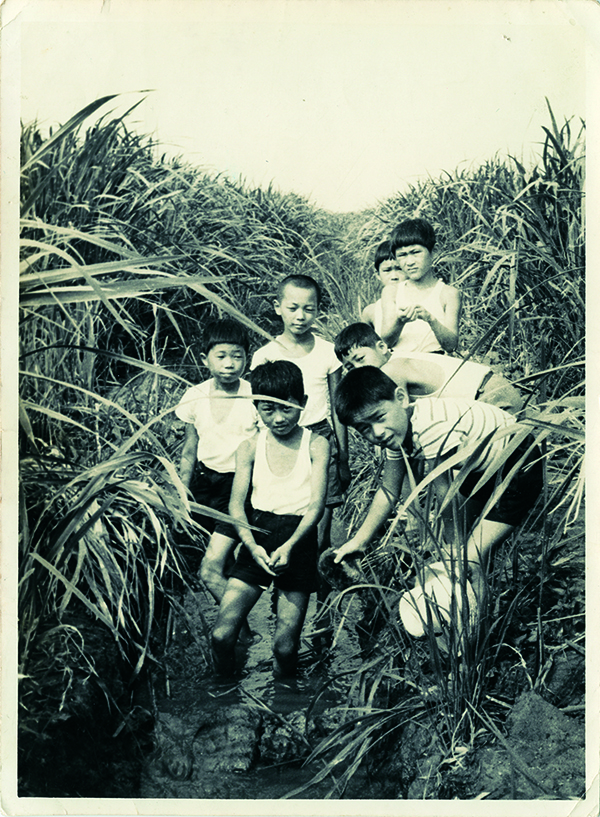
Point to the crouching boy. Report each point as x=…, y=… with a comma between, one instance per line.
x=433, y=431
x=286, y=468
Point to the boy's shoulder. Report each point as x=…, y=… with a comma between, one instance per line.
x=452, y=409
x=276, y=350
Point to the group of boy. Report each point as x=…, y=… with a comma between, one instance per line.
x=276, y=459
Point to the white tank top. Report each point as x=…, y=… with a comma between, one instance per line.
x=418, y=336
x=282, y=495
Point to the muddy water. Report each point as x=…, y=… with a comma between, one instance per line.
x=245, y=737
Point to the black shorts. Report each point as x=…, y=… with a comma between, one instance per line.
x=213, y=489
x=334, y=496
x=301, y=572
x=521, y=493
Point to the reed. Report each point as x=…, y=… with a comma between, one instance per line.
x=124, y=256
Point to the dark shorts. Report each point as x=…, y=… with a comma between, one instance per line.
x=301, y=572
x=521, y=493
x=213, y=489
x=334, y=497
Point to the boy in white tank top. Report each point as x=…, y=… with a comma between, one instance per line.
x=420, y=313
x=285, y=467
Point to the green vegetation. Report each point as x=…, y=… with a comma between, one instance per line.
x=124, y=255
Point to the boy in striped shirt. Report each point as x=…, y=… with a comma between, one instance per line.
x=438, y=430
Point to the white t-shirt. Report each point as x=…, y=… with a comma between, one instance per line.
x=219, y=440
x=316, y=366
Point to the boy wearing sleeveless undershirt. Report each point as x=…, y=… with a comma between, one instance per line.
x=285, y=467
x=421, y=313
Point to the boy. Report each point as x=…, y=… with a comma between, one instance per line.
x=420, y=313
x=216, y=424
x=286, y=465
x=426, y=375
x=431, y=431
x=388, y=272
x=297, y=304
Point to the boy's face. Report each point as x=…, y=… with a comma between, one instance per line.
x=279, y=419
x=415, y=261
x=225, y=362
x=384, y=423
x=298, y=309
x=366, y=356
x=389, y=272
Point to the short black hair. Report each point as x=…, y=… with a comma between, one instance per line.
x=224, y=330
x=413, y=231
x=355, y=336
x=360, y=388
x=278, y=378
x=301, y=281
x=383, y=253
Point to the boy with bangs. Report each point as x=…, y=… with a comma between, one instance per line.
x=429, y=432
x=425, y=374
x=216, y=424
x=420, y=313
x=286, y=468
x=387, y=272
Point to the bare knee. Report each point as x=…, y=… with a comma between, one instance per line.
x=285, y=652
x=209, y=571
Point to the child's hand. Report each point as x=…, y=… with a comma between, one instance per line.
x=261, y=557
x=344, y=550
x=415, y=312
x=280, y=558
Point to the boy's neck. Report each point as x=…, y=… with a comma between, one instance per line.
x=290, y=440
x=305, y=341
x=228, y=388
x=425, y=283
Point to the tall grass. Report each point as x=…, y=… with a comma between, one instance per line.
x=124, y=256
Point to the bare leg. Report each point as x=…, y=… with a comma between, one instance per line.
x=239, y=598
x=291, y=612
x=484, y=536
x=212, y=570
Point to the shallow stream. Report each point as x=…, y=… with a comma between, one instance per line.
x=242, y=738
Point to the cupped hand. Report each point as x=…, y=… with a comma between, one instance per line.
x=280, y=559
x=261, y=557
x=345, y=550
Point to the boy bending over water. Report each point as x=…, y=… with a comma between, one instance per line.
x=286, y=467
x=431, y=430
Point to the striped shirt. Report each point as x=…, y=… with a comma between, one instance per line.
x=440, y=426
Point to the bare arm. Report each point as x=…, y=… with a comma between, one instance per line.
x=381, y=506
x=319, y=456
x=391, y=322
x=447, y=332
x=189, y=454
x=244, y=462
x=368, y=314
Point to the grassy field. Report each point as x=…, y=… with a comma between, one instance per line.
x=124, y=255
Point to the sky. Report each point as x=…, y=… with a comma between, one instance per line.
x=343, y=101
